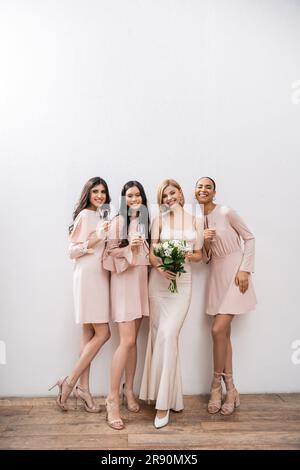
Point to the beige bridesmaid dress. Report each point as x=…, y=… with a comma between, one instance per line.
x=90, y=279
x=162, y=376
x=227, y=257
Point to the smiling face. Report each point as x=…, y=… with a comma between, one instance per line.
x=204, y=191
x=171, y=196
x=97, y=196
x=133, y=198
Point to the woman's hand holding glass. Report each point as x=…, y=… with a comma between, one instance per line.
x=136, y=242
x=102, y=229
x=138, y=237
x=209, y=235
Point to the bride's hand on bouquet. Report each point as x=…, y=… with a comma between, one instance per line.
x=167, y=274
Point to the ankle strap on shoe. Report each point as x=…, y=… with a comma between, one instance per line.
x=65, y=381
x=82, y=389
x=228, y=377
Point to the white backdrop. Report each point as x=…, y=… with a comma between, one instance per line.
x=137, y=89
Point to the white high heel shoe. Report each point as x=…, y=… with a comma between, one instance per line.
x=161, y=422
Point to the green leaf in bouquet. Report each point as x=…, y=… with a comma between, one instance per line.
x=168, y=260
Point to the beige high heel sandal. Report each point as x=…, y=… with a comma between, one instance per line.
x=135, y=408
x=116, y=423
x=232, y=400
x=61, y=383
x=84, y=395
x=215, y=401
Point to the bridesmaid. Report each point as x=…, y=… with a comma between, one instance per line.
x=162, y=377
x=230, y=290
x=127, y=257
x=91, y=289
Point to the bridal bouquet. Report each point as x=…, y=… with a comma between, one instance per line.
x=172, y=254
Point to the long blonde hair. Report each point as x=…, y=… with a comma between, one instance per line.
x=162, y=187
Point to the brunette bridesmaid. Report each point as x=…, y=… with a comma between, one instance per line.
x=230, y=289
x=87, y=236
x=127, y=257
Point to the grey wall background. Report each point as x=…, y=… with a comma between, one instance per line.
x=147, y=89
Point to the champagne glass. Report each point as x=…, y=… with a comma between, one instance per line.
x=211, y=226
x=141, y=230
x=104, y=213
x=189, y=248
x=104, y=216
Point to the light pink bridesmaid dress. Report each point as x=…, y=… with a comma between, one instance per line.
x=227, y=257
x=129, y=274
x=90, y=280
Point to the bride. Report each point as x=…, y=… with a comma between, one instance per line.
x=162, y=377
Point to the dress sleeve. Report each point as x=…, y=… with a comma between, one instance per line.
x=249, y=241
x=116, y=259
x=79, y=238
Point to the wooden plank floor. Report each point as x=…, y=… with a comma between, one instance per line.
x=269, y=421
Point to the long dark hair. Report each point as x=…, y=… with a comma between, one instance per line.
x=143, y=213
x=84, y=200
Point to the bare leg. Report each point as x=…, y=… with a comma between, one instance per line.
x=127, y=332
x=87, y=334
x=130, y=372
x=222, y=359
x=232, y=400
x=228, y=361
x=221, y=341
x=102, y=334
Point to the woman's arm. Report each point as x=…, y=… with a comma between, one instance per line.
x=100, y=234
x=77, y=250
x=117, y=258
x=247, y=265
x=80, y=237
x=245, y=233
x=196, y=254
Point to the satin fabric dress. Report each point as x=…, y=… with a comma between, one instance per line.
x=90, y=279
x=162, y=375
x=129, y=274
x=227, y=257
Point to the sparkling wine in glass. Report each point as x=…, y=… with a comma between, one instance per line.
x=141, y=230
x=189, y=247
x=104, y=213
x=211, y=226
x=104, y=216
